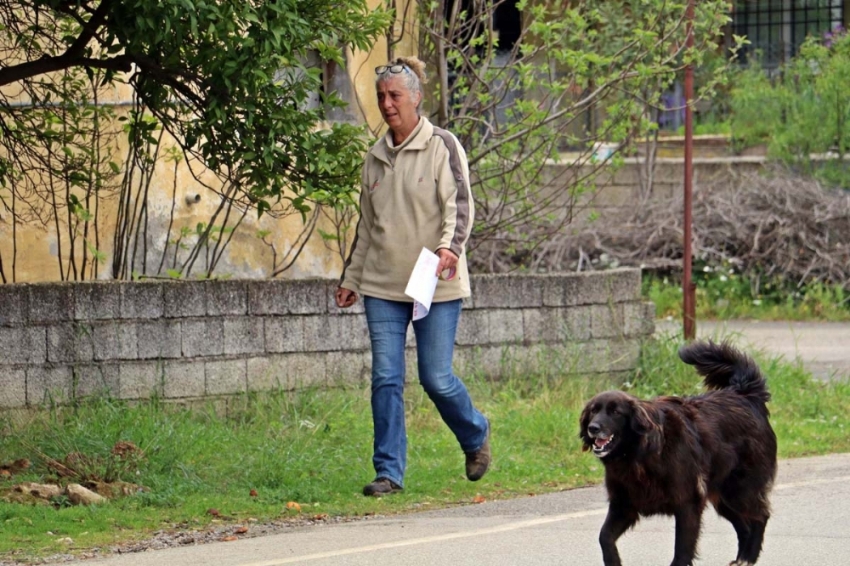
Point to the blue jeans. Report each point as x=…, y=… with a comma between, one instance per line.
x=435, y=340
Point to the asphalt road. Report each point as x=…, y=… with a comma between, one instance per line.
x=811, y=514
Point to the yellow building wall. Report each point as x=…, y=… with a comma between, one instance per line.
x=30, y=251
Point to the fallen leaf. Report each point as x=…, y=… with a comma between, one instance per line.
x=213, y=512
x=253, y=493
x=478, y=499
x=293, y=506
x=230, y=538
x=320, y=517
x=241, y=530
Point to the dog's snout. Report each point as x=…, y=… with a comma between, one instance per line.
x=593, y=428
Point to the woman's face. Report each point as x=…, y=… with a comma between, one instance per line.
x=398, y=106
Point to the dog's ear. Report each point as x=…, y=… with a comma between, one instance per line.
x=584, y=421
x=645, y=422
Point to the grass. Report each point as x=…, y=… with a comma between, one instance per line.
x=313, y=448
x=722, y=294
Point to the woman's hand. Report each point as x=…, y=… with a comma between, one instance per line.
x=345, y=297
x=448, y=262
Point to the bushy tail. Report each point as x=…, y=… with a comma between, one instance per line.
x=723, y=366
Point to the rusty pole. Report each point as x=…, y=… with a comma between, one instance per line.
x=688, y=287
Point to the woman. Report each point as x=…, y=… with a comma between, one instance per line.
x=414, y=194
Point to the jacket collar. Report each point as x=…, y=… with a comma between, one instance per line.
x=417, y=140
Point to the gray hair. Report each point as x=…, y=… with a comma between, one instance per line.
x=409, y=77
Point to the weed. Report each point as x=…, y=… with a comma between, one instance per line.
x=723, y=293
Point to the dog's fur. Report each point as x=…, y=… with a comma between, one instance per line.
x=672, y=455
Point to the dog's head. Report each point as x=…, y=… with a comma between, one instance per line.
x=616, y=422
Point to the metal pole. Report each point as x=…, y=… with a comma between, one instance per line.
x=688, y=288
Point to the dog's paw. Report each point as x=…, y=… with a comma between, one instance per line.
x=741, y=563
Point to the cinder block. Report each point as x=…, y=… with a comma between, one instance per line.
x=286, y=371
x=560, y=290
x=268, y=374
x=490, y=291
x=616, y=195
x=623, y=284
x=473, y=328
x=348, y=367
x=623, y=355
x=183, y=379
x=606, y=321
x=284, y=333
x=306, y=296
x=115, y=340
x=505, y=326
x=302, y=296
x=159, y=339
x=629, y=174
x=328, y=333
x=225, y=377
x=227, y=298
x=13, y=388
x=543, y=325
x=267, y=297
x=605, y=356
x=48, y=384
x=69, y=342
x=97, y=300
x=51, y=302
x=14, y=304
x=202, y=337
x=639, y=318
x=96, y=380
x=479, y=362
x=243, y=335
x=184, y=298
x=578, y=322
x=668, y=172
x=588, y=288
x=23, y=345
x=140, y=380
x=141, y=300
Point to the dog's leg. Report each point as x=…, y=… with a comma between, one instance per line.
x=753, y=547
x=742, y=529
x=620, y=518
x=688, y=524
x=749, y=526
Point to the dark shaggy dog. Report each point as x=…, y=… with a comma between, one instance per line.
x=672, y=455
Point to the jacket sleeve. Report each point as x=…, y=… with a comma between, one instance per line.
x=455, y=195
x=352, y=272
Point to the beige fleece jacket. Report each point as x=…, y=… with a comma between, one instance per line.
x=412, y=196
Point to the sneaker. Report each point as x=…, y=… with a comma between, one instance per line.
x=381, y=486
x=478, y=462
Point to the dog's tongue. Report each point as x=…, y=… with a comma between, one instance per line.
x=600, y=442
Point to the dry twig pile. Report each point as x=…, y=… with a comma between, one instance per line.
x=767, y=226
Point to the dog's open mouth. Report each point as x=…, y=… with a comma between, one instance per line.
x=602, y=446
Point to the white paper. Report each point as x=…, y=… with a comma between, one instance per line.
x=423, y=283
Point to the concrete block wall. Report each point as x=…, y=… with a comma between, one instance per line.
x=195, y=340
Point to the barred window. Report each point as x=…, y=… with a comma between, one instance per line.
x=777, y=28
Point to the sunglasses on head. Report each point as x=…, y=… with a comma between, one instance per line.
x=394, y=69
